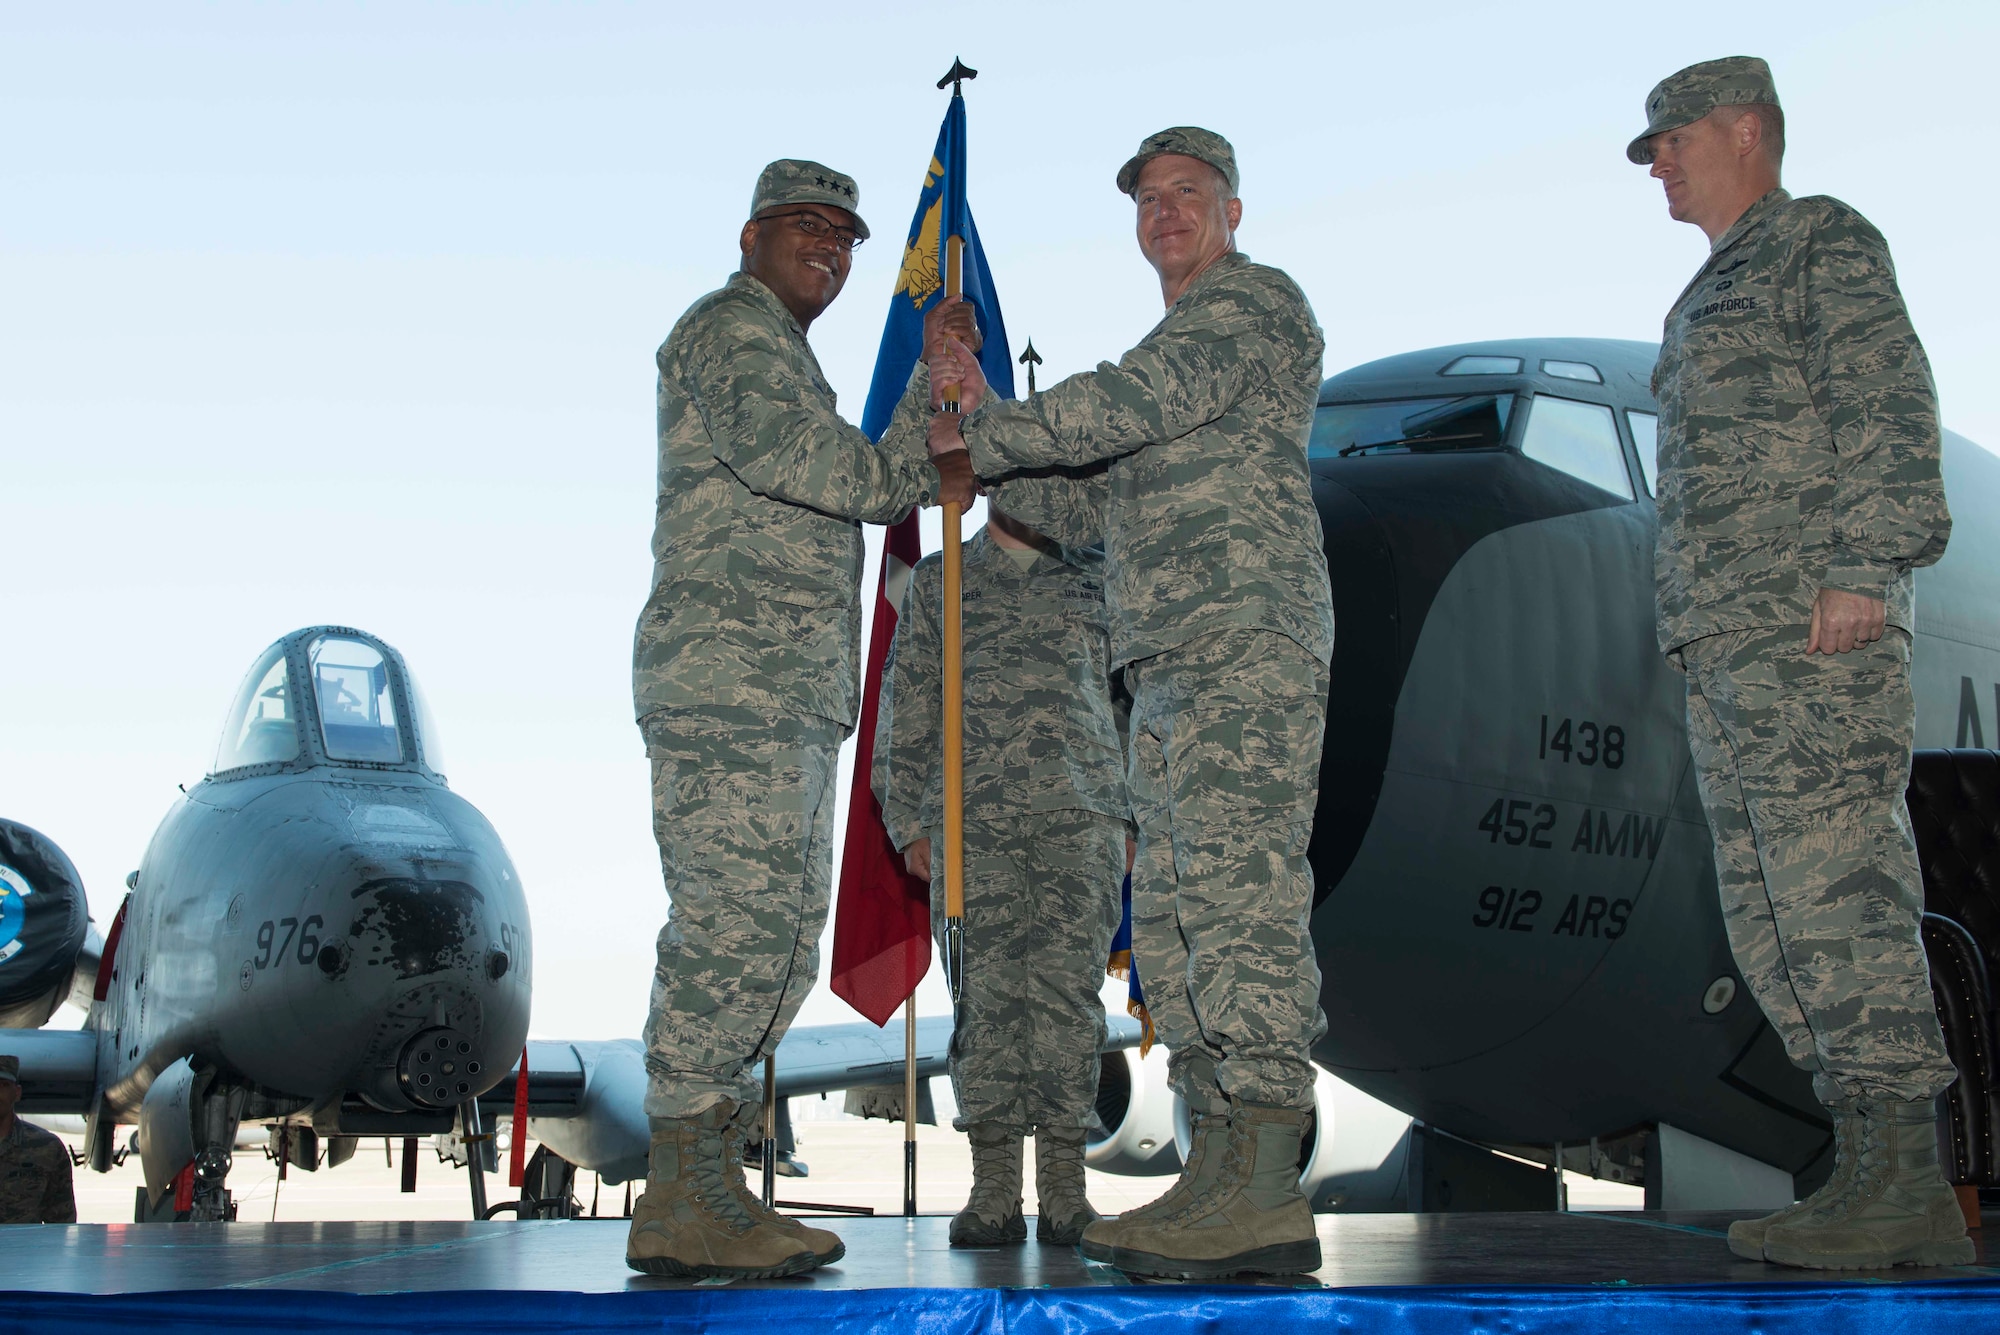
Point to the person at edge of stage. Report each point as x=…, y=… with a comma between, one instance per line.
x=1187, y=458
x=1799, y=486
x=1047, y=845
x=36, y=1185
x=745, y=664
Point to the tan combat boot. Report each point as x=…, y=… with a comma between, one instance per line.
x=992, y=1217
x=1062, y=1208
x=1207, y=1134
x=1746, y=1236
x=688, y=1223
x=1896, y=1210
x=825, y=1244
x=1252, y=1220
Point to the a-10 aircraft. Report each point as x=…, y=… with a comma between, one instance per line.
x=1516, y=915
x=324, y=938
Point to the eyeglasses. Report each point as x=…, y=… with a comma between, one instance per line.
x=815, y=226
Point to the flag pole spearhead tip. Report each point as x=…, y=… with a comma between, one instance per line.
x=959, y=70
x=1030, y=355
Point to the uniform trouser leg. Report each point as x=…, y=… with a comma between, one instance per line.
x=1802, y=761
x=1223, y=776
x=743, y=813
x=1041, y=906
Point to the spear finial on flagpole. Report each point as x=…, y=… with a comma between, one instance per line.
x=1030, y=359
x=959, y=71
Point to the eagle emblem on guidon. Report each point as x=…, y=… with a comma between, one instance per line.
x=14, y=892
x=920, y=276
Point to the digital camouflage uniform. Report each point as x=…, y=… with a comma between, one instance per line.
x=1045, y=820
x=744, y=670
x=35, y=1185
x=1222, y=619
x=1799, y=451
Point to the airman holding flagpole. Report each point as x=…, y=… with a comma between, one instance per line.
x=744, y=678
x=1188, y=458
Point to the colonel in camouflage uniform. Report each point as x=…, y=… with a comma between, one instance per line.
x=744, y=668
x=35, y=1182
x=1045, y=841
x=1799, y=487
x=1188, y=457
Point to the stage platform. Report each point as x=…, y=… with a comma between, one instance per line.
x=1425, y=1273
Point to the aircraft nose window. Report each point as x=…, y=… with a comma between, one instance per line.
x=357, y=711
x=260, y=728
x=1475, y=365
x=1477, y=421
x=1646, y=439
x=427, y=729
x=1573, y=371
x=1579, y=438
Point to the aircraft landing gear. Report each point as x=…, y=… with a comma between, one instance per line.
x=221, y=1112
x=212, y=1200
x=187, y=1132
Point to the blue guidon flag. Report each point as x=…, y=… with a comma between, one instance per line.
x=882, y=921
x=1121, y=965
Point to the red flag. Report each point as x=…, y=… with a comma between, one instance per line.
x=882, y=918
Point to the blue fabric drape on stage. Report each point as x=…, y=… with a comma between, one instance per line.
x=1876, y=1308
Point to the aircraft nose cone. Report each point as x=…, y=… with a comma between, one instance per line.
x=416, y=928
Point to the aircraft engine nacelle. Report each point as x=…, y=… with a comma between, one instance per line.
x=1138, y=1116
x=44, y=923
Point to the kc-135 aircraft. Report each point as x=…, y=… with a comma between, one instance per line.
x=1516, y=911
x=1516, y=916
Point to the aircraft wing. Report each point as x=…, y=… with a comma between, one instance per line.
x=586, y=1100
x=58, y=1068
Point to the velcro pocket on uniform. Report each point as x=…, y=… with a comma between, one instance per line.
x=1227, y=760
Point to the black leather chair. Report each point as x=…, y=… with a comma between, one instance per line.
x=1954, y=801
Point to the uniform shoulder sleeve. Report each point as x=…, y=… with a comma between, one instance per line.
x=1245, y=326
x=773, y=427
x=1870, y=384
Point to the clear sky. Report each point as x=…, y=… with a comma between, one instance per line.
x=347, y=313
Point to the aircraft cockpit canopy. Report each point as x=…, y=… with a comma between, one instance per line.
x=349, y=704
x=1580, y=406
x=261, y=728
x=357, y=711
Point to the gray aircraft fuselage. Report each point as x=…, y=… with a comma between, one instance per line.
x=1516, y=913
x=318, y=926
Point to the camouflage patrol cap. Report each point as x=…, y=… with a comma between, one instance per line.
x=10, y=1068
x=798, y=181
x=1684, y=98
x=1189, y=141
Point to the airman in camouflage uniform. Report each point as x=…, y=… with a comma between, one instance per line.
x=1188, y=457
x=1799, y=488
x=744, y=669
x=35, y=1182
x=1045, y=841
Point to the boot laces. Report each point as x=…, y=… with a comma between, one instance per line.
x=1239, y=1147
x=995, y=1177
x=708, y=1165
x=1882, y=1161
x=1059, y=1180
x=737, y=1176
